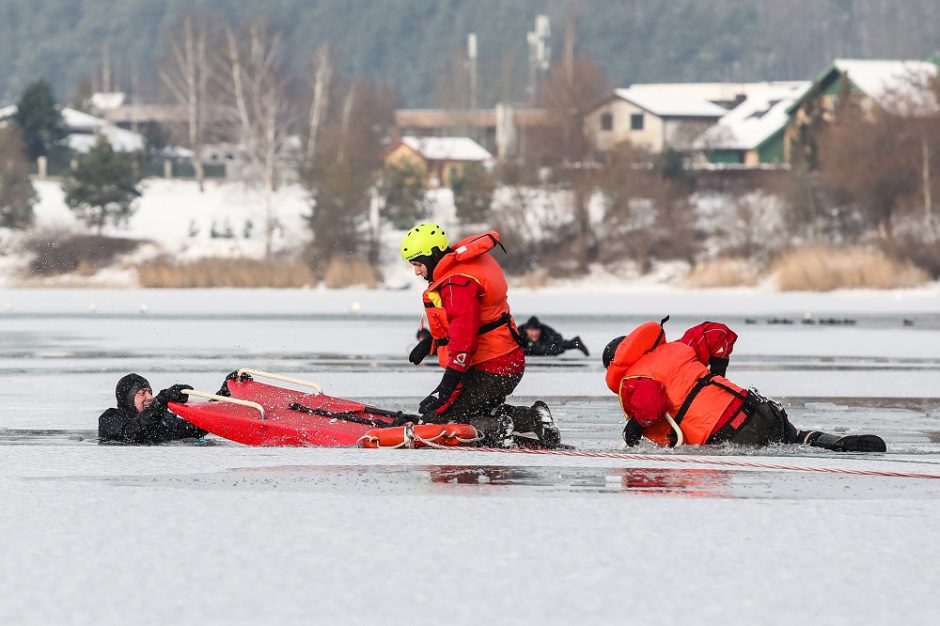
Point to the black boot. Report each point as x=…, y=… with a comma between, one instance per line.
x=848, y=443
x=496, y=431
x=543, y=425
x=577, y=343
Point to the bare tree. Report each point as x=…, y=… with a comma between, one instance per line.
x=186, y=77
x=342, y=176
x=256, y=108
x=568, y=94
x=874, y=160
x=323, y=77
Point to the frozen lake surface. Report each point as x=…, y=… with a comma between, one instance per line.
x=221, y=533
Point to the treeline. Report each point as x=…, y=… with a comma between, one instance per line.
x=412, y=43
x=867, y=176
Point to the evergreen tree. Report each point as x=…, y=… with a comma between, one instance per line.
x=17, y=195
x=473, y=194
x=402, y=188
x=103, y=186
x=39, y=120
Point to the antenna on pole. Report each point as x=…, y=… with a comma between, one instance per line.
x=472, y=63
x=540, y=53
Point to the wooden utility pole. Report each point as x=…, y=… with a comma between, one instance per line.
x=925, y=172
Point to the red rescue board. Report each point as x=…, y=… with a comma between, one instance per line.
x=281, y=426
x=284, y=426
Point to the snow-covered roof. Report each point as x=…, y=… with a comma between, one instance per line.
x=79, y=120
x=107, y=100
x=668, y=104
x=716, y=93
x=755, y=120
x=120, y=139
x=83, y=130
x=899, y=85
x=447, y=148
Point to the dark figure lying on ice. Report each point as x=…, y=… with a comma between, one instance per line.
x=683, y=381
x=543, y=340
x=474, y=336
x=141, y=417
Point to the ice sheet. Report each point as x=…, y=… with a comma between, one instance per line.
x=224, y=534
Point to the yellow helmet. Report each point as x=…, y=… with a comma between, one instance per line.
x=422, y=240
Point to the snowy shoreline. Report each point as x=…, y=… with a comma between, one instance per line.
x=176, y=220
x=561, y=300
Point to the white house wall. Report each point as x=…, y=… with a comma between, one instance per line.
x=651, y=137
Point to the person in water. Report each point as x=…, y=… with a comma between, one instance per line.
x=543, y=340
x=665, y=387
x=474, y=336
x=141, y=417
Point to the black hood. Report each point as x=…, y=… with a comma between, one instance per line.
x=533, y=322
x=430, y=261
x=126, y=388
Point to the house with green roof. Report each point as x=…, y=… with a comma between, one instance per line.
x=901, y=87
x=751, y=134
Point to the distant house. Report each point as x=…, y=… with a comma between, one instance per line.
x=901, y=87
x=752, y=133
x=500, y=129
x=84, y=129
x=441, y=159
x=649, y=118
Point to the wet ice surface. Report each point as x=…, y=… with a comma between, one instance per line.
x=221, y=533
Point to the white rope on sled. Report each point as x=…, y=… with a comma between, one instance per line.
x=212, y=396
x=282, y=378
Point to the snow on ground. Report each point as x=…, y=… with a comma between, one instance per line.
x=175, y=214
x=225, y=534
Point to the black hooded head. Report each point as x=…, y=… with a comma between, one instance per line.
x=430, y=261
x=127, y=388
x=611, y=349
x=533, y=322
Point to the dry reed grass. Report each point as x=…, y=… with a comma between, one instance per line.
x=722, y=273
x=350, y=272
x=825, y=268
x=166, y=273
x=56, y=253
x=532, y=280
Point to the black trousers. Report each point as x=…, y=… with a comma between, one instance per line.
x=768, y=423
x=553, y=348
x=482, y=403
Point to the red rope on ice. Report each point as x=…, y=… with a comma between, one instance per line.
x=659, y=458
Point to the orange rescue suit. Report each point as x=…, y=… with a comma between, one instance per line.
x=470, y=259
x=644, y=353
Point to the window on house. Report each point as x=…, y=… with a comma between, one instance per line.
x=636, y=121
x=607, y=121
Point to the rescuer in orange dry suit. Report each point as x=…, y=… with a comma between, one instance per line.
x=655, y=379
x=474, y=336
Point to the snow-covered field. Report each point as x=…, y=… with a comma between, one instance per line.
x=227, y=219
x=226, y=534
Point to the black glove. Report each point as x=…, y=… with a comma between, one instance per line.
x=175, y=394
x=632, y=433
x=450, y=384
x=421, y=350
x=223, y=390
x=717, y=365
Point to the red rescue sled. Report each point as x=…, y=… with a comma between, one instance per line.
x=258, y=414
